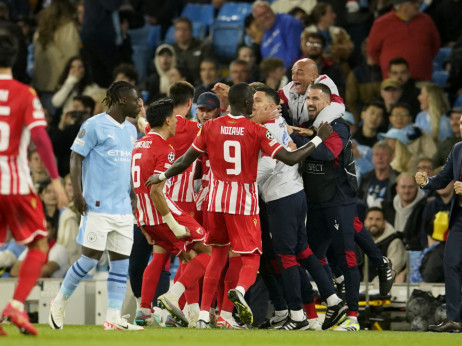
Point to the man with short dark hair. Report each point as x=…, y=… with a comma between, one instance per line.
x=398, y=68
x=239, y=72
x=209, y=75
x=189, y=50
x=444, y=148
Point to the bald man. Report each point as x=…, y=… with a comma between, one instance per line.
x=304, y=74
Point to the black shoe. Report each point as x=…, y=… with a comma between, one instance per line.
x=334, y=314
x=340, y=287
x=386, y=276
x=243, y=309
x=447, y=326
x=274, y=322
x=290, y=324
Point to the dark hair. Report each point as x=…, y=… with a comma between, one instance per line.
x=51, y=18
x=87, y=102
x=127, y=69
x=249, y=19
x=402, y=105
x=158, y=111
x=376, y=103
x=270, y=92
x=380, y=210
x=239, y=93
x=318, y=11
x=42, y=185
x=324, y=88
x=184, y=20
x=317, y=36
x=84, y=82
x=212, y=61
x=115, y=92
x=398, y=61
x=8, y=48
x=181, y=92
x=270, y=64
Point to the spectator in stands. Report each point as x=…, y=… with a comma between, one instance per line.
x=57, y=259
x=432, y=119
x=76, y=80
x=378, y=186
x=101, y=38
x=363, y=83
x=50, y=201
x=400, y=116
x=158, y=82
x=446, y=15
x=63, y=135
x=436, y=228
x=254, y=35
x=125, y=72
x=338, y=44
x=390, y=92
x=281, y=37
x=37, y=168
x=20, y=65
x=409, y=144
x=445, y=147
x=55, y=42
x=398, y=68
x=239, y=71
x=209, y=75
x=406, y=210
x=372, y=117
x=9, y=254
x=387, y=239
x=312, y=45
x=68, y=226
x=189, y=50
x=404, y=32
x=178, y=74
x=247, y=54
x=274, y=73
x=454, y=83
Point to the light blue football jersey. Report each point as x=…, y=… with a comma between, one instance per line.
x=106, y=173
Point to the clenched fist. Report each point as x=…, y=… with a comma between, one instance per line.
x=421, y=178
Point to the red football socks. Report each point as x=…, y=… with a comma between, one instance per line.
x=151, y=277
x=30, y=271
x=230, y=281
x=249, y=269
x=212, y=275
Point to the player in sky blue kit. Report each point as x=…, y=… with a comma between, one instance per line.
x=103, y=194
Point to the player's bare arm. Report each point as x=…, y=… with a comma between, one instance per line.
x=293, y=157
x=157, y=196
x=76, y=179
x=179, y=166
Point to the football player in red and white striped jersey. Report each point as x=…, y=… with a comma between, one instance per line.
x=165, y=225
x=233, y=144
x=22, y=119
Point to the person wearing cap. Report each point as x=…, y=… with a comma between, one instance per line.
x=208, y=107
x=444, y=147
x=404, y=32
x=390, y=92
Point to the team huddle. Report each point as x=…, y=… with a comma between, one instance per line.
x=196, y=188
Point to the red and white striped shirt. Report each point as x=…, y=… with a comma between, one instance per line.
x=20, y=111
x=151, y=154
x=202, y=196
x=182, y=185
x=233, y=145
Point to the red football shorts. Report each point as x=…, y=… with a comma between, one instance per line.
x=243, y=232
x=188, y=208
x=24, y=216
x=164, y=237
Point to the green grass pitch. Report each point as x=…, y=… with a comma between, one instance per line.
x=94, y=335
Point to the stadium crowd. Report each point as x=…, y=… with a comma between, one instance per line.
x=387, y=77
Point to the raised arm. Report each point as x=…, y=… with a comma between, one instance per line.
x=179, y=166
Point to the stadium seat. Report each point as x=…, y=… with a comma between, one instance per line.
x=458, y=101
x=440, y=78
x=154, y=36
x=226, y=37
x=441, y=58
x=142, y=52
x=170, y=35
x=234, y=12
x=202, y=13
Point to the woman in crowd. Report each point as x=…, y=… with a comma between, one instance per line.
x=432, y=118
